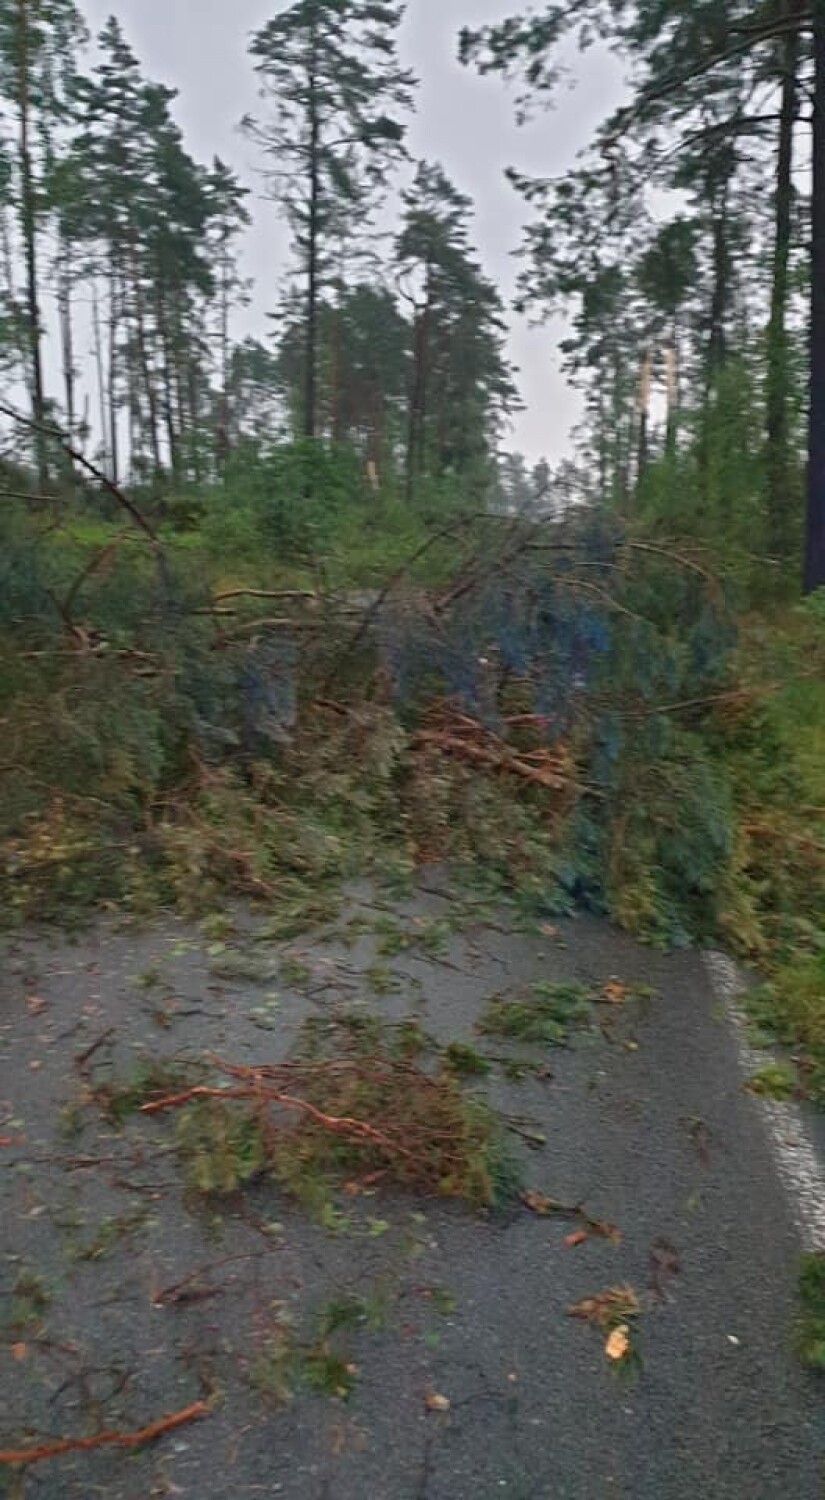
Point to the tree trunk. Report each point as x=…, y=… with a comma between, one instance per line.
x=720, y=299
x=673, y=392
x=417, y=421
x=313, y=245
x=64, y=298
x=168, y=383
x=143, y=357
x=777, y=453
x=114, y=454
x=643, y=416
x=28, y=218
x=814, y=569
x=222, y=434
x=101, y=381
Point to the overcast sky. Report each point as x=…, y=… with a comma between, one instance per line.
x=466, y=123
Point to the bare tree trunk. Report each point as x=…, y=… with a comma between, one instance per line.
x=643, y=416
x=101, y=382
x=313, y=246
x=64, y=298
x=28, y=219
x=417, y=419
x=222, y=434
x=139, y=312
x=777, y=451
x=114, y=446
x=814, y=571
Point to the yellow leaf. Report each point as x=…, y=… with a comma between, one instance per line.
x=434, y=1402
x=618, y=1344
x=19, y=1351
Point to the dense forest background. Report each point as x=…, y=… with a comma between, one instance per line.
x=277, y=610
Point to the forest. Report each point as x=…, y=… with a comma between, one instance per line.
x=295, y=645
x=201, y=535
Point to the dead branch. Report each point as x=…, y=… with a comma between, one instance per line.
x=254, y=1091
x=138, y=1439
x=500, y=759
x=48, y=430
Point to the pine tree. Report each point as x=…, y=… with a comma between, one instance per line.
x=329, y=70
x=461, y=386
x=697, y=71
x=38, y=39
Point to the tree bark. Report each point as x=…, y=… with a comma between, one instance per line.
x=64, y=297
x=28, y=216
x=777, y=452
x=814, y=565
x=143, y=357
x=417, y=417
x=313, y=239
x=720, y=299
x=114, y=447
x=101, y=381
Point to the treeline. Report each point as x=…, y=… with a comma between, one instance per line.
x=689, y=251
x=121, y=253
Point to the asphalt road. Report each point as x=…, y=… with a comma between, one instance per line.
x=645, y=1120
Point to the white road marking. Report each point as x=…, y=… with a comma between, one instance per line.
x=797, y=1160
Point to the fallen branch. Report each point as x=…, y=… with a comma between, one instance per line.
x=254, y=1091
x=500, y=760
x=48, y=430
x=138, y=1439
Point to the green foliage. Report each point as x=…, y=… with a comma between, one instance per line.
x=285, y=499
x=547, y=1014
x=670, y=837
x=466, y=1061
x=776, y=1080
x=810, y=1327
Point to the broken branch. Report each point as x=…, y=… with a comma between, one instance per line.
x=138, y=1439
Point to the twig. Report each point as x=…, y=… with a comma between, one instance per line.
x=143, y=1435
x=225, y=594
x=84, y=1057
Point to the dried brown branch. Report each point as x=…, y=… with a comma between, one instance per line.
x=466, y=739
x=255, y=1091
x=38, y=1453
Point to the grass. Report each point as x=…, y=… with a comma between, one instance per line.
x=547, y=1014
x=775, y=1080
x=810, y=1325
x=791, y=1009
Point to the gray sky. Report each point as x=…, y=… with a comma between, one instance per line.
x=466, y=123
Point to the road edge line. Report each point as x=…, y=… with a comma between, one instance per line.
x=797, y=1160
